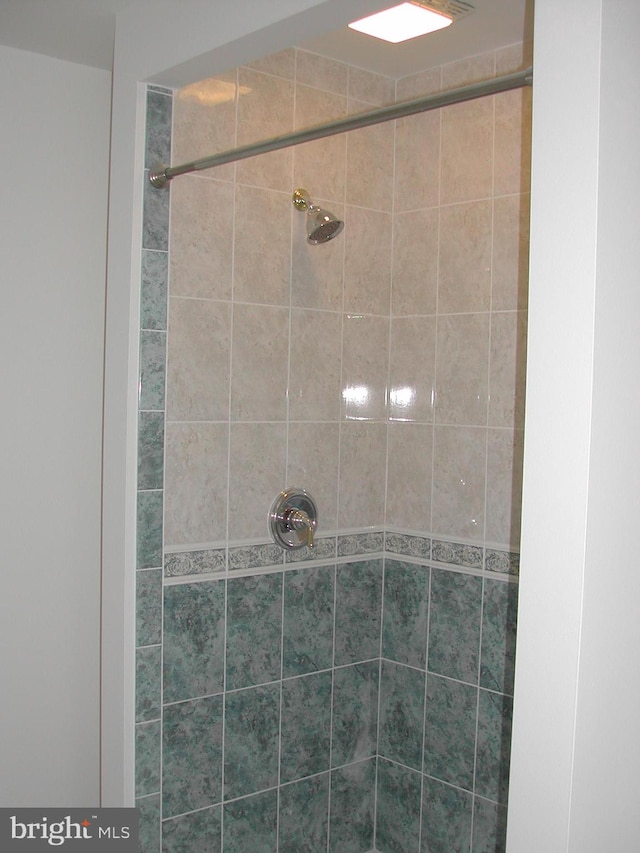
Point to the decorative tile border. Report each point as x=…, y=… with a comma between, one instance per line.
x=352, y=544
x=267, y=554
x=194, y=562
x=457, y=554
x=407, y=545
x=506, y=562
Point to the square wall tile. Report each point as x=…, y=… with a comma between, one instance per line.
x=351, y=825
x=406, y=612
x=409, y=467
x=151, y=386
x=198, y=360
x=303, y=824
x=462, y=370
x=467, y=151
x=205, y=120
x=149, y=823
x=464, y=278
x=198, y=831
x=262, y=247
x=489, y=827
x=454, y=625
x=319, y=166
x=192, y=756
x=358, y=611
x=450, y=731
x=150, y=450
x=148, y=684
x=367, y=270
x=194, y=634
x=414, y=285
x=254, y=630
x=153, y=290
x=265, y=109
x=459, y=477
x=398, y=795
x=257, y=471
x=363, y=468
x=148, y=607
x=158, y=129
x=355, y=713
x=201, y=237
x=251, y=740
x=401, y=714
x=149, y=529
x=412, y=356
x=315, y=365
x=147, y=758
x=251, y=824
x=499, y=619
x=493, y=746
x=305, y=726
x=196, y=483
x=308, y=621
x=446, y=818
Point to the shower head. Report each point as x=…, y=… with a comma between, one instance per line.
x=322, y=226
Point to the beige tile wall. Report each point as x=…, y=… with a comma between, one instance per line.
x=383, y=371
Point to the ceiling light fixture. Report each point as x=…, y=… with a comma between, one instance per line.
x=403, y=22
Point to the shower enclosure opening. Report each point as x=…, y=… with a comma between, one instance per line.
x=355, y=695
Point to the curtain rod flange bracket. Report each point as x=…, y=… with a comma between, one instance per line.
x=158, y=175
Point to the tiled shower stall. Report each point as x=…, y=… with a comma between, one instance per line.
x=357, y=696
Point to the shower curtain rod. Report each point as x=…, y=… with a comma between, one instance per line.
x=161, y=174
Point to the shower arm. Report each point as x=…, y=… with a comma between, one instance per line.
x=161, y=174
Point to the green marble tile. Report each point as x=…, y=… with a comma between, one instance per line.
x=398, y=797
x=149, y=824
x=454, y=625
x=254, y=630
x=252, y=719
x=308, y=621
x=158, y=129
x=401, y=714
x=148, y=683
x=358, y=611
x=250, y=824
x=406, y=611
x=149, y=530
x=147, y=758
x=304, y=815
x=351, y=823
x=450, y=731
x=192, y=755
x=194, y=627
x=355, y=712
x=150, y=450
x=153, y=298
x=493, y=746
x=305, y=726
x=446, y=818
x=151, y=383
x=499, y=618
x=198, y=832
x=155, y=217
x=149, y=607
x=489, y=827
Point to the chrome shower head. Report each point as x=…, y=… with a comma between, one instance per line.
x=322, y=226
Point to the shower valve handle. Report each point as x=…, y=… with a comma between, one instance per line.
x=297, y=519
x=293, y=519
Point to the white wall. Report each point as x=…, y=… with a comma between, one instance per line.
x=574, y=781
x=54, y=155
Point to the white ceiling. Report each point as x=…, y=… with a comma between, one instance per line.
x=82, y=31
